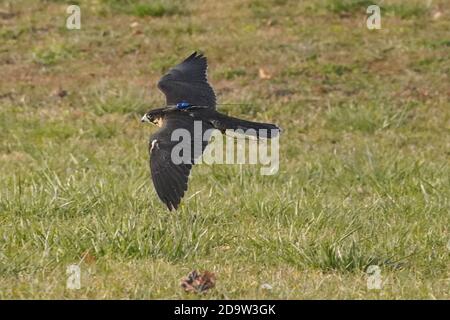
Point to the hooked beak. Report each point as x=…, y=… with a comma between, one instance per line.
x=144, y=118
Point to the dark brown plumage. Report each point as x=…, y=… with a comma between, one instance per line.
x=189, y=98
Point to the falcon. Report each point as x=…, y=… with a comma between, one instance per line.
x=189, y=99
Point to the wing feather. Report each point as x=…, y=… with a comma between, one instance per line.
x=188, y=81
x=170, y=179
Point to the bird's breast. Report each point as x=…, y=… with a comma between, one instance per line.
x=159, y=122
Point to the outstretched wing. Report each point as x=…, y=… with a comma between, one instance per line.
x=170, y=172
x=188, y=82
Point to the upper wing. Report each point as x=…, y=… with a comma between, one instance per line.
x=170, y=177
x=188, y=82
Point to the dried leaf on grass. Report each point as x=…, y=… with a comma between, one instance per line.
x=198, y=282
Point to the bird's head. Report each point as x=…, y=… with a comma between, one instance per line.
x=154, y=117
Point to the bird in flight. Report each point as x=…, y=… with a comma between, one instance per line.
x=189, y=99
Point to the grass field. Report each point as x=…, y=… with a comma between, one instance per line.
x=364, y=173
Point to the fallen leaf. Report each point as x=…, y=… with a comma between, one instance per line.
x=270, y=23
x=263, y=74
x=266, y=286
x=437, y=15
x=198, y=282
x=87, y=257
x=60, y=93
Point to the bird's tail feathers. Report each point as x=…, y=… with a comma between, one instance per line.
x=257, y=129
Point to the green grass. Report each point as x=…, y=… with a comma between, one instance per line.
x=364, y=175
x=342, y=6
x=52, y=55
x=415, y=9
x=146, y=8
